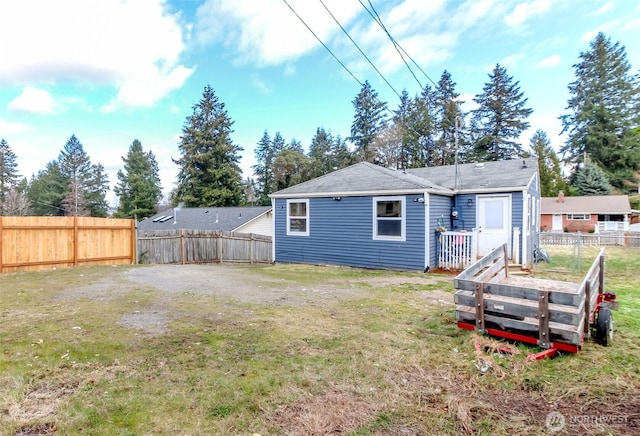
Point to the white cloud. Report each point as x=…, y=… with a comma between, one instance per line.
x=604, y=8
x=111, y=42
x=511, y=61
x=550, y=61
x=34, y=100
x=12, y=127
x=525, y=11
x=267, y=32
x=261, y=85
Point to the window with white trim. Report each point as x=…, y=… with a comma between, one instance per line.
x=298, y=217
x=578, y=216
x=389, y=218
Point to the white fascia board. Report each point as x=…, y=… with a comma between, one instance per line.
x=364, y=193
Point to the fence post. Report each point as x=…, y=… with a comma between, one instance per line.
x=182, y=249
x=75, y=240
x=1, y=239
x=251, y=243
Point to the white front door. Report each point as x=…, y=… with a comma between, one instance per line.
x=556, y=223
x=494, y=222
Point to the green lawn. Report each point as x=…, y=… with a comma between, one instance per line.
x=388, y=360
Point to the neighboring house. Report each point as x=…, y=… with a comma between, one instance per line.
x=369, y=216
x=254, y=219
x=594, y=213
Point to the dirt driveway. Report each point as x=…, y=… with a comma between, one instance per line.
x=236, y=283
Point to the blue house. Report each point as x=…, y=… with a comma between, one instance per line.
x=374, y=217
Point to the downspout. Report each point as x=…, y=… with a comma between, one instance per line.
x=273, y=231
x=427, y=233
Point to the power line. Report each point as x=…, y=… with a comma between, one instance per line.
x=323, y=44
x=398, y=47
x=359, y=49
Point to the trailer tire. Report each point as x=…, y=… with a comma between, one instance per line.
x=605, y=327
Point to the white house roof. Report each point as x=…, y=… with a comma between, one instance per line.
x=592, y=204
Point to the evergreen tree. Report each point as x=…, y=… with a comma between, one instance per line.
x=320, y=153
x=605, y=110
x=47, y=190
x=369, y=120
x=8, y=173
x=263, y=169
x=421, y=128
x=449, y=115
x=138, y=188
x=95, y=192
x=209, y=172
x=399, y=134
x=84, y=182
x=590, y=179
x=327, y=153
x=500, y=118
x=549, y=168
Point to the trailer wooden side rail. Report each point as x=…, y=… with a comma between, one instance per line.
x=554, y=315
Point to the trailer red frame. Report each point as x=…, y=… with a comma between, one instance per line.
x=554, y=315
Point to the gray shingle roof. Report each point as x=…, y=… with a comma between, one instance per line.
x=365, y=179
x=485, y=176
x=203, y=218
x=600, y=204
x=361, y=178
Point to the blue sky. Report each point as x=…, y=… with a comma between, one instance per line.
x=112, y=71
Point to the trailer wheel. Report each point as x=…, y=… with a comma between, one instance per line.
x=605, y=327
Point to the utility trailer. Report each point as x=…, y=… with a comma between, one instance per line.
x=555, y=315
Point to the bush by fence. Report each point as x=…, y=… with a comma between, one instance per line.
x=202, y=246
x=41, y=242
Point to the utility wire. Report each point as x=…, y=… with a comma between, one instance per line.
x=323, y=44
x=359, y=49
x=398, y=47
x=378, y=20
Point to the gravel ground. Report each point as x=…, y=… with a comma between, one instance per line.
x=233, y=283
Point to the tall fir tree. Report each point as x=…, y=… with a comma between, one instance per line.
x=263, y=169
x=604, y=111
x=85, y=182
x=209, y=174
x=8, y=173
x=549, y=167
x=449, y=138
x=320, y=152
x=421, y=126
x=368, y=121
x=138, y=189
x=399, y=131
x=500, y=118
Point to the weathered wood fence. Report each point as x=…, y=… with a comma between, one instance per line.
x=38, y=242
x=202, y=246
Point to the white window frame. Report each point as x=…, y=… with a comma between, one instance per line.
x=585, y=217
x=403, y=219
x=291, y=232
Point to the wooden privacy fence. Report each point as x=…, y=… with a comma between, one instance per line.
x=41, y=242
x=202, y=246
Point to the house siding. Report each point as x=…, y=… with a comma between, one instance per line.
x=263, y=225
x=341, y=233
